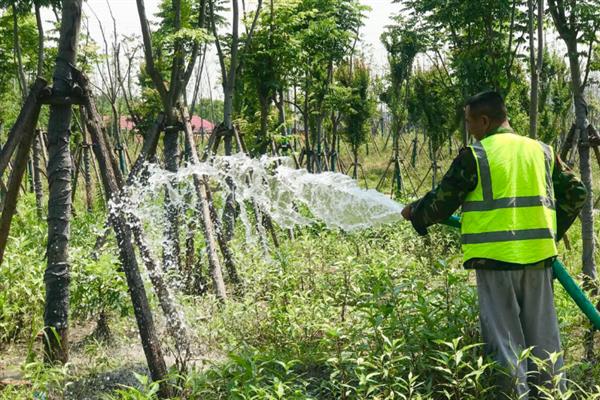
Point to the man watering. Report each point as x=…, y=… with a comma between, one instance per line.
x=518, y=199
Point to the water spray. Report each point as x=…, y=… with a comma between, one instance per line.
x=291, y=197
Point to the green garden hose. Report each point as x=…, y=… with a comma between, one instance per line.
x=560, y=272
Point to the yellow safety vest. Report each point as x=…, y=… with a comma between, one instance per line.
x=510, y=216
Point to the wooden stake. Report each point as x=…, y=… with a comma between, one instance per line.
x=27, y=131
x=141, y=306
x=204, y=214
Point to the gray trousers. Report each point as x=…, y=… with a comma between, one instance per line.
x=517, y=312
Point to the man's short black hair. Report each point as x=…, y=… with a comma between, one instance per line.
x=488, y=103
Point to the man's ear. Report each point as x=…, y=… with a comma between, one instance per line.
x=485, y=120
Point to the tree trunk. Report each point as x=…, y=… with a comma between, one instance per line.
x=118, y=139
x=75, y=167
x=190, y=252
x=355, y=157
x=229, y=83
x=87, y=170
x=260, y=229
x=223, y=242
x=148, y=148
x=40, y=49
x=30, y=172
x=172, y=251
x=264, y=119
x=581, y=124
x=319, y=142
x=397, y=173
x=334, y=134
x=281, y=114
x=535, y=66
x=307, y=147
x=197, y=86
x=434, y=168
x=229, y=214
x=465, y=134
x=175, y=323
x=325, y=152
x=44, y=146
x=59, y=181
x=268, y=224
x=228, y=118
x=17, y=48
x=37, y=174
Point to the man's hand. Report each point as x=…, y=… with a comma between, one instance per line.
x=407, y=212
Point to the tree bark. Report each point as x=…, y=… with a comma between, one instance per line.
x=87, y=170
x=59, y=179
x=30, y=172
x=535, y=65
x=75, y=167
x=305, y=114
x=40, y=50
x=118, y=139
x=334, y=136
x=355, y=162
x=17, y=48
x=37, y=173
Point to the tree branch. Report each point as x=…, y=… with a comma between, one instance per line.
x=235, y=38
x=251, y=33
x=148, y=55
x=220, y=53
x=178, y=56
x=588, y=61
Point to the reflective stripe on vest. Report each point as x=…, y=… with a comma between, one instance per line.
x=519, y=225
x=505, y=236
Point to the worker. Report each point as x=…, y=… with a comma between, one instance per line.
x=518, y=199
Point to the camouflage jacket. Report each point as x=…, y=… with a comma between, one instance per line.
x=461, y=178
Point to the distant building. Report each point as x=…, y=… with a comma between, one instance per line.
x=199, y=125
x=126, y=123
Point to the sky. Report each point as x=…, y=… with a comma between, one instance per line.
x=125, y=12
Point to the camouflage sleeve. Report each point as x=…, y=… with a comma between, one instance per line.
x=570, y=194
x=439, y=204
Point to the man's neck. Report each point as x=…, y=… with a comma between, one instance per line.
x=498, y=127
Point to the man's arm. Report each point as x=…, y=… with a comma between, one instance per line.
x=570, y=194
x=440, y=203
